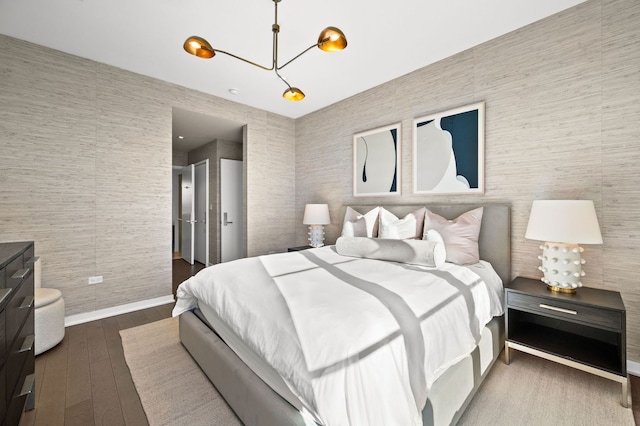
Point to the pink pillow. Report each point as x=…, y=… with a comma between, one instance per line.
x=460, y=235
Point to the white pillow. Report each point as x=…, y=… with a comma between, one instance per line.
x=460, y=235
x=410, y=226
x=433, y=235
x=360, y=225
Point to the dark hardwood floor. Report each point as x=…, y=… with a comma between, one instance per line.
x=183, y=270
x=85, y=380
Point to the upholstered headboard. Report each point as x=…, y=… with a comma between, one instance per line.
x=495, y=233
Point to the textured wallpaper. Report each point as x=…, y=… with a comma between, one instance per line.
x=562, y=121
x=85, y=169
x=85, y=172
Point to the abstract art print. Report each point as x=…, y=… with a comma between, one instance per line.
x=376, y=162
x=448, y=152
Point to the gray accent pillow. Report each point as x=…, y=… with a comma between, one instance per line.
x=460, y=235
x=413, y=252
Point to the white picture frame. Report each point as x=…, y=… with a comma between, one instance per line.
x=377, y=161
x=448, y=151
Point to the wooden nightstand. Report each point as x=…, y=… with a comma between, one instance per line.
x=299, y=248
x=585, y=330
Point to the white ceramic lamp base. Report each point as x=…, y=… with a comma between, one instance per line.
x=562, y=266
x=316, y=235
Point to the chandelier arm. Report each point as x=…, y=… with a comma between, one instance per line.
x=274, y=54
x=246, y=60
x=283, y=80
x=297, y=56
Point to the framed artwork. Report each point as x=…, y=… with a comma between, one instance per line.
x=376, y=162
x=448, y=151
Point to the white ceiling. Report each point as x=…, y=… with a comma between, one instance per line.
x=386, y=39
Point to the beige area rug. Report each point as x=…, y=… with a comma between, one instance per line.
x=533, y=391
x=172, y=388
x=529, y=391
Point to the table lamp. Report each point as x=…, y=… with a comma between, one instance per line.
x=316, y=216
x=563, y=224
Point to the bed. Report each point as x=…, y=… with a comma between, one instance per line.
x=241, y=375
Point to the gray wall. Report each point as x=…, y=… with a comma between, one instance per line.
x=85, y=172
x=562, y=121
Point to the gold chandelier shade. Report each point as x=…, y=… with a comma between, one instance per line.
x=199, y=47
x=331, y=39
x=293, y=94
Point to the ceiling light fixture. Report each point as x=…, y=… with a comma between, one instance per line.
x=331, y=39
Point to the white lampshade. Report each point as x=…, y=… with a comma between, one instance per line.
x=316, y=214
x=569, y=221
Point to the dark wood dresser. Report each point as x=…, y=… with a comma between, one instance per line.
x=17, y=359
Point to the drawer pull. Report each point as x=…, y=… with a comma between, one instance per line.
x=20, y=274
x=26, y=303
x=4, y=293
x=555, y=308
x=27, y=386
x=34, y=259
x=27, y=345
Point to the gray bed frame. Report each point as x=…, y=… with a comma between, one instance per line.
x=255, y=403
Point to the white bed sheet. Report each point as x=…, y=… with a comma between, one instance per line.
x=328, y=348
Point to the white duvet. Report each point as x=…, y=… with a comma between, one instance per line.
x=359, y=341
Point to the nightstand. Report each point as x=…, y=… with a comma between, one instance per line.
x=299, y=248
x=585, y=330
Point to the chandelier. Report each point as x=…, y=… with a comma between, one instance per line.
x=331, y=39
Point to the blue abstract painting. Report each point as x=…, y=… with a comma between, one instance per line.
x=448, y=151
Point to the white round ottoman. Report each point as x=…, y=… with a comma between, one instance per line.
x=49, y=318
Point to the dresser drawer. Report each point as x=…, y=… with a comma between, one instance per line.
x=566, y=310
x=17, y=352
x=15, y=404
x=19, y=307
x=14, y=266
x=21, y=350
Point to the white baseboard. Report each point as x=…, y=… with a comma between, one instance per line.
x=633, y=367
x=116, y=310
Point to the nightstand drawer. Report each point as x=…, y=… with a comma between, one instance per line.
x=566, y=310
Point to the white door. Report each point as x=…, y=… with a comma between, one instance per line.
x=188, y=213
x=231, y=225
x=201, y=209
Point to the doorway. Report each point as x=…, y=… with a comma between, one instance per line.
x=198, y=137
x=191, y=219
x=194, y=220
